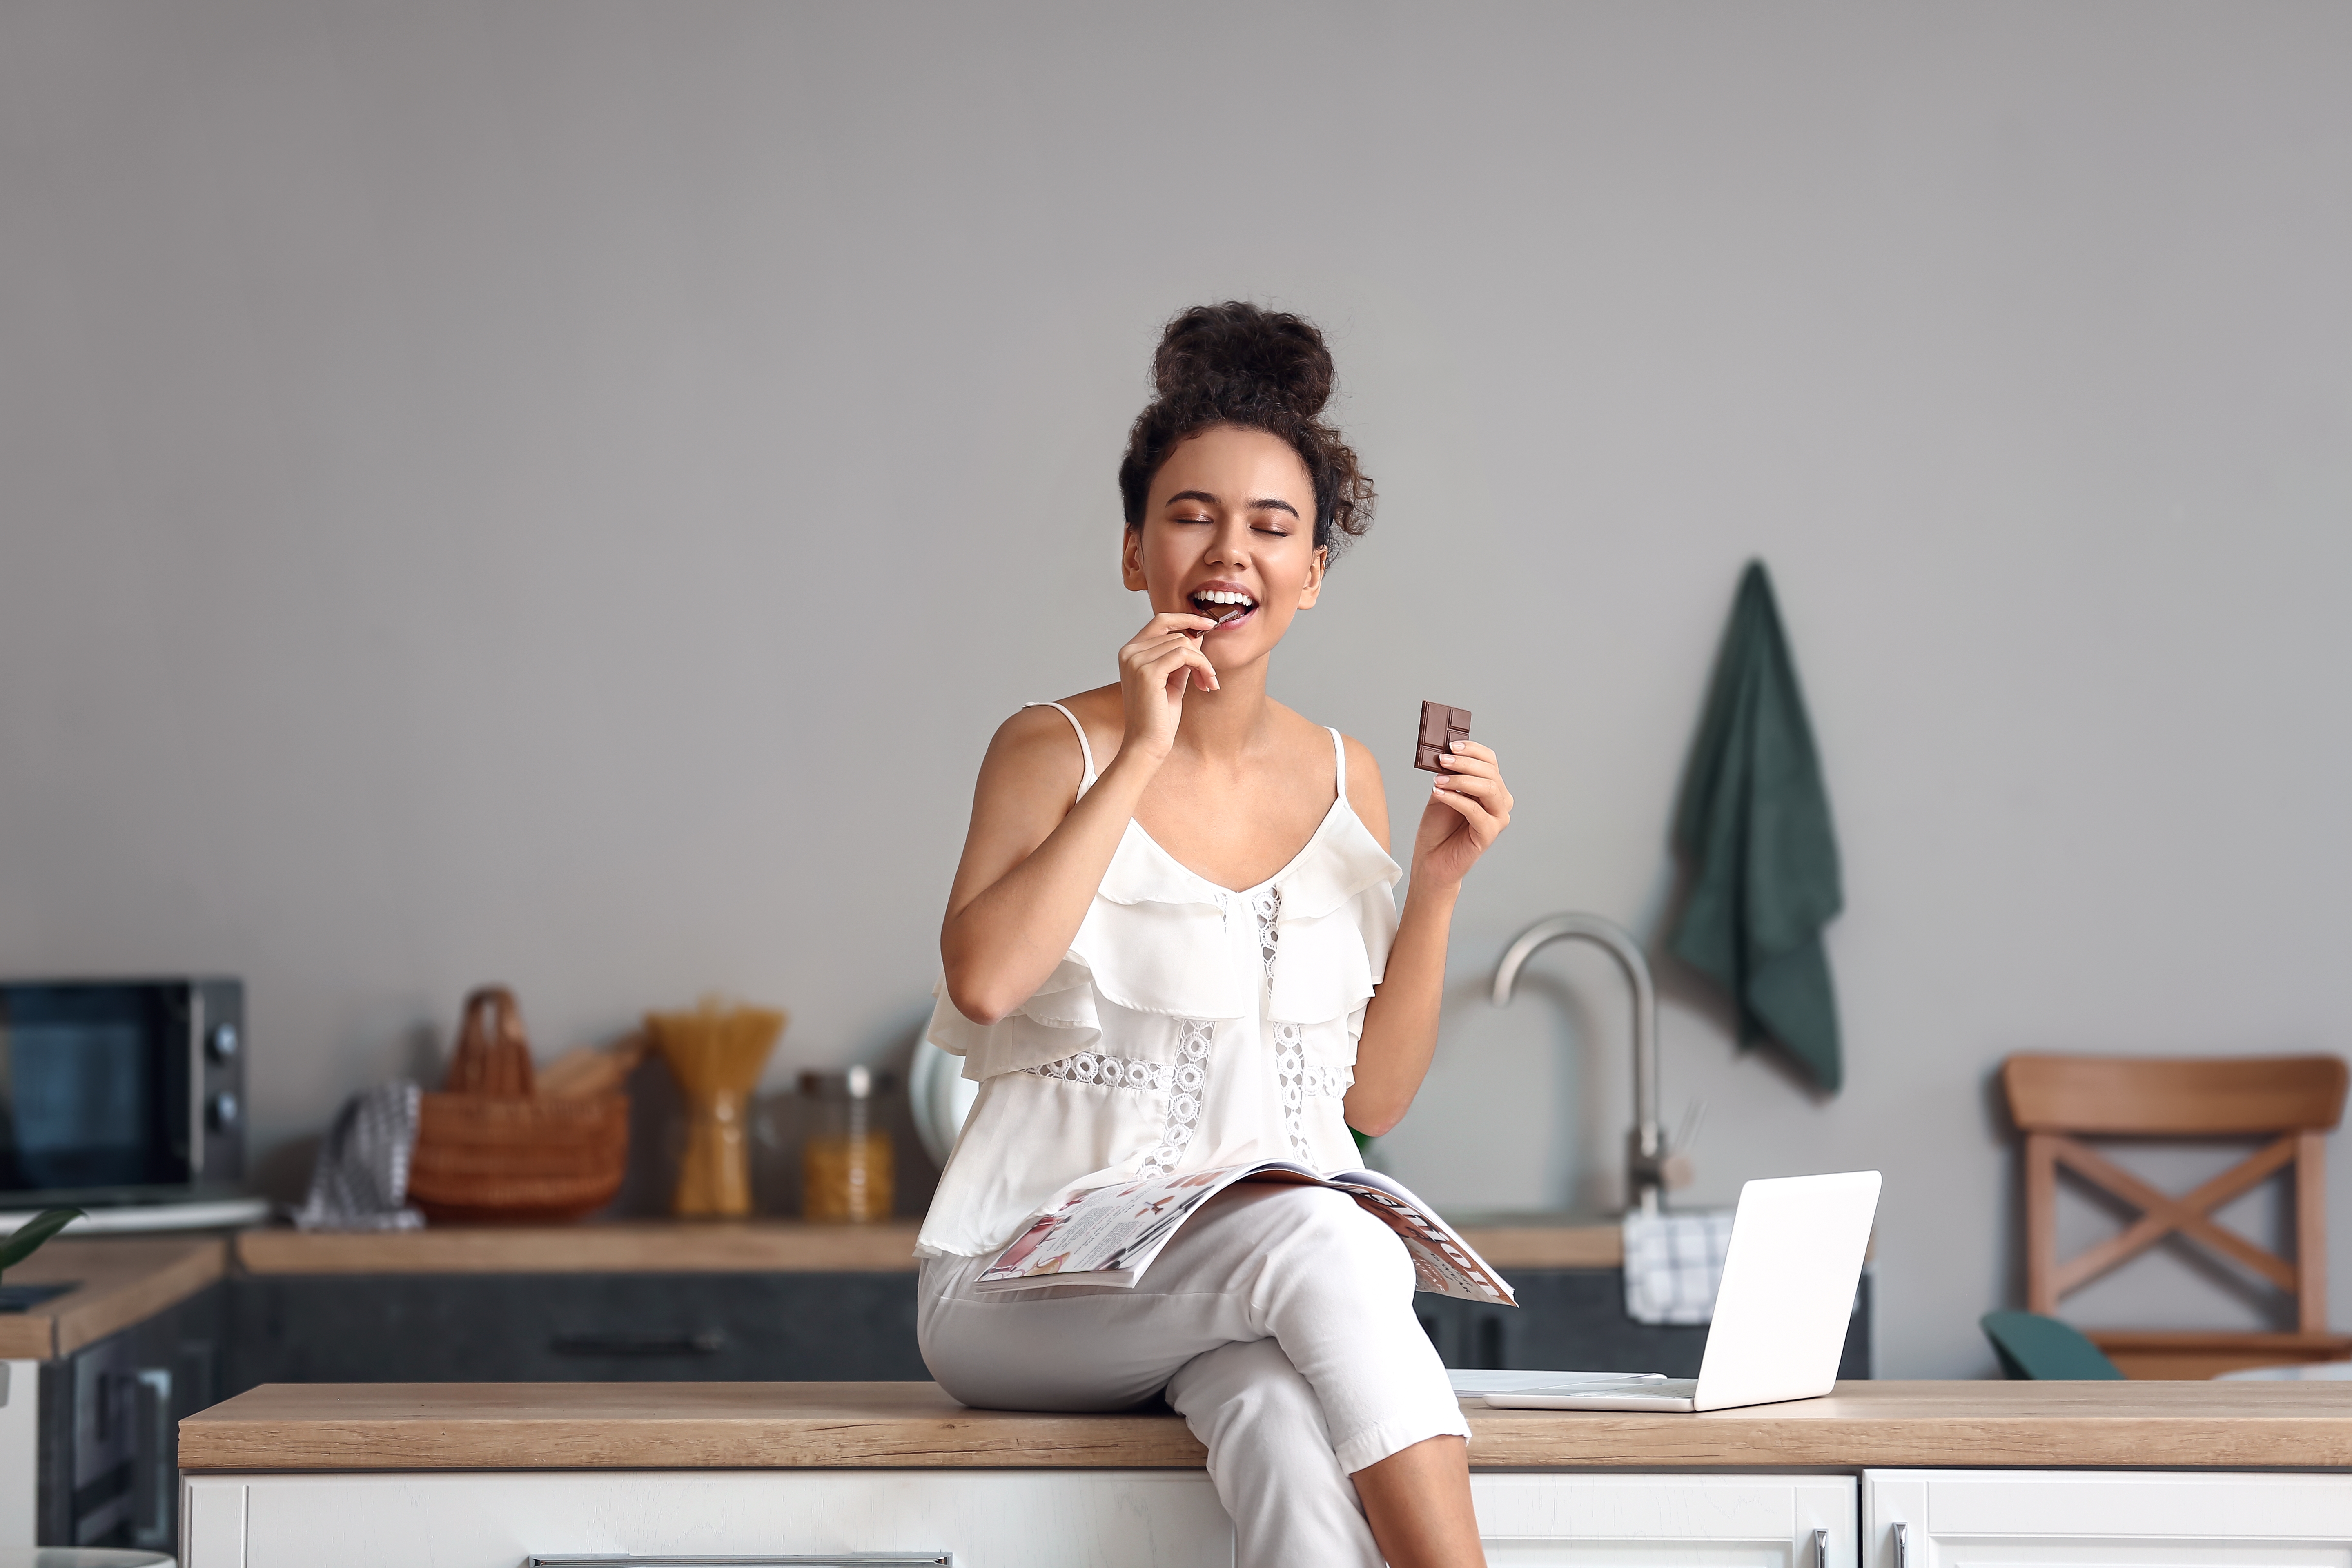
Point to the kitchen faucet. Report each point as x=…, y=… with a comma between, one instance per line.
x=1645, y=1145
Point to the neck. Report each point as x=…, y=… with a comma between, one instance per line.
x=1218, y=725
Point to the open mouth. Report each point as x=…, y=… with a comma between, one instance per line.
x=1226, y=606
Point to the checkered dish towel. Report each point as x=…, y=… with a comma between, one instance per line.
x=1674, y=1263
x=360, y=1182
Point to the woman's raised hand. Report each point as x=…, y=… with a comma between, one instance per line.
x=1155, y=666
x=1468, y=809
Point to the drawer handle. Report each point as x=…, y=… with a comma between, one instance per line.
x=701, y=1342
x=1902, y=1544
x=837, y=1560
x=159, y=1471
x=1820, y=1549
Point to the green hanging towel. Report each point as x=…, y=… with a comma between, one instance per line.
x=1753, y=829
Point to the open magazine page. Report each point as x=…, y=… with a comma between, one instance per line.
x=1109, y=1233
x=1442, y=1263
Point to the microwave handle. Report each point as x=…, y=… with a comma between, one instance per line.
x=195, y=1082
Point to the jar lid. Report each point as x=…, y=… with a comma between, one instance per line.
x=852, y=1083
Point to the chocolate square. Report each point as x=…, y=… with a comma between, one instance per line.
x=1439, y=726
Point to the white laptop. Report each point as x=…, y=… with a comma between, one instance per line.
x=1797, y=1246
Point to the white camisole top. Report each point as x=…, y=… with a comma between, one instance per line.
x=1188, y=1025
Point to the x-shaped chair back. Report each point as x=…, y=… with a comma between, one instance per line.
x=2290, y=1102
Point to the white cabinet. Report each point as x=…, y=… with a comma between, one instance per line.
x=988, y=1519
x=2105, y=1519
x=20, y=1429
x=1533, y=1519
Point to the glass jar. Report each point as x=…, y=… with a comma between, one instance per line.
x=846, y=1161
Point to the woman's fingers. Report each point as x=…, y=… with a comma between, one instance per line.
x=1470, y=785
x=1182, y=622
x=1153, y=640
x=1169, y=624
x=1483, y=824
x=1477, y=776
x=1181, y=653
x=1491, y=793
x=1145, y=652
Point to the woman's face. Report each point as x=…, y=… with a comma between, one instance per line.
x=1230, y=525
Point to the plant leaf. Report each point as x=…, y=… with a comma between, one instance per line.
x=27, y=1238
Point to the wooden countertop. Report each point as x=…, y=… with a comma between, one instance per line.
x=755, y=1247
x=651, y=1247
x=119, y=1281
x=760, y=1425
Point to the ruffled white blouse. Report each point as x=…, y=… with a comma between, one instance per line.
x=1188, y=1025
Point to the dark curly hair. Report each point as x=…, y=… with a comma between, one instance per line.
x=1263, y=370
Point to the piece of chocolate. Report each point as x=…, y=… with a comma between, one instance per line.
x=1440, y=727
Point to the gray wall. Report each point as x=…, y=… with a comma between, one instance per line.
x=562, y=492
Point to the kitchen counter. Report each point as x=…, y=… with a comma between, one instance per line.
x=770, y=1301
x=671, y=1426
x=1534, y=1241
x=652, y=1246
x=118, y=1281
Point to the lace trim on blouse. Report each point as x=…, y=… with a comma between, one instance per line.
x=1267, y=906
x=1189, y=1077
x=1290, y=1078
x=1114, y=1072
x=1182, y=1080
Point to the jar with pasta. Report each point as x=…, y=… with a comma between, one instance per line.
x=845, y=1159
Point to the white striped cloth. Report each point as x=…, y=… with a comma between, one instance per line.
x=361, y=1181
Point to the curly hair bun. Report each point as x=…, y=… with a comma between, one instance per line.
x=1264, y=370
x=1235, y=353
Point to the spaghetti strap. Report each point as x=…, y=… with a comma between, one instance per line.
x=1085, y=751
x=1339, y=750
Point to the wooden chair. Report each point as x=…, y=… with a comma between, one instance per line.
x=2291, y=1102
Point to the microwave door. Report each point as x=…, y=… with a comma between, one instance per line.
x=94, y=1090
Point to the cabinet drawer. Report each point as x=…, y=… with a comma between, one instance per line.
x=988, y=1519
x=2105, y=1519
x=1533, y=1519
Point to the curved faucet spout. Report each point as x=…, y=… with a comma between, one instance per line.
x=1645, y=1151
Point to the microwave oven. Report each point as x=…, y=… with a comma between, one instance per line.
x=117, y=1093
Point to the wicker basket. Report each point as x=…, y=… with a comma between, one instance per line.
x=489, y=1151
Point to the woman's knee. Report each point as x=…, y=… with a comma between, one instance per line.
x=1338, y=1242
x=1249, y=1392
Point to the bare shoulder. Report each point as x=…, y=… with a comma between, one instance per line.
x=1105, y=718
x=1027, y=783
x=1101, y=711
x=1366, y=794
x=1034, y=753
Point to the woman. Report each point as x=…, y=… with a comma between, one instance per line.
x=1173, y=944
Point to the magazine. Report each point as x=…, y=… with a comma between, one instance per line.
x=1107, y=1233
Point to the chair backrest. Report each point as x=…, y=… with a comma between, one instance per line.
x=2030, y=1346
x=2291, y=1102
x=2190, y=1097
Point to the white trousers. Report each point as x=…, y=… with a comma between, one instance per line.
x=1279, y=1321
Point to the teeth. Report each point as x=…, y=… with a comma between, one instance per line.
x=1223, y=596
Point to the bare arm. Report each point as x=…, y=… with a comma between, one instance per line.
x=1032, y=859
x=1468, y=808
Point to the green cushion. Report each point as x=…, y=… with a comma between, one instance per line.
x=2030, y=1346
